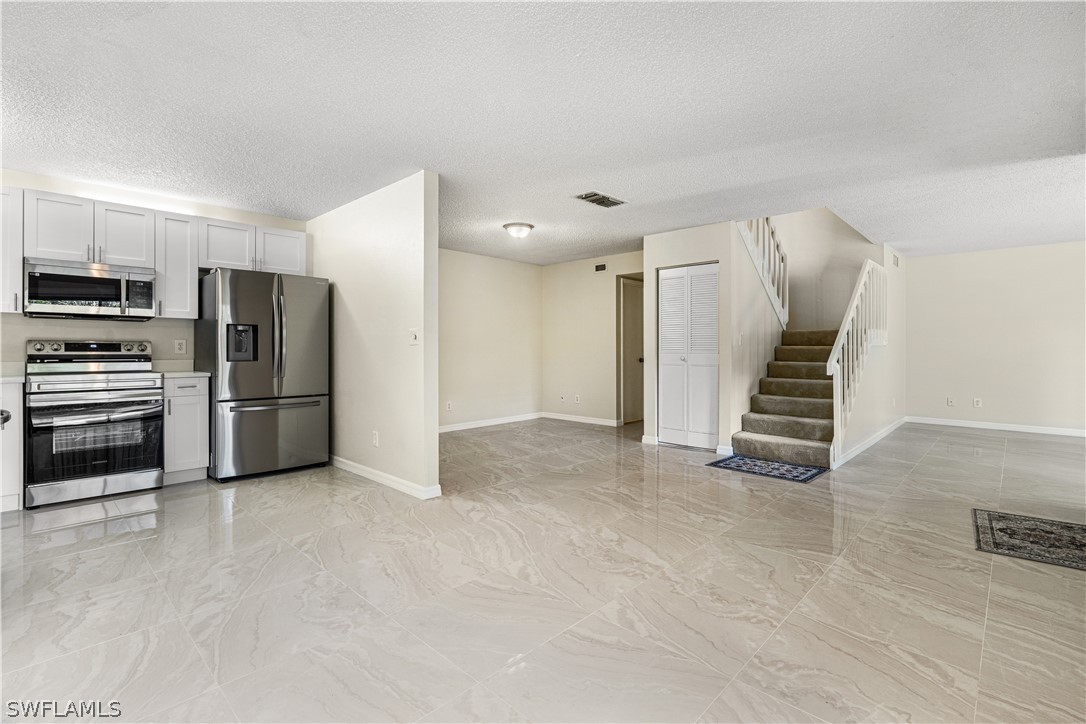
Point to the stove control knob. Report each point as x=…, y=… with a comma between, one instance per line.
x=128, y=348
x=55, y=346
x=142, y=347
x=39, y=347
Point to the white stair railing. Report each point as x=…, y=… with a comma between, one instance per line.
x=769, y=258
x=864, y=326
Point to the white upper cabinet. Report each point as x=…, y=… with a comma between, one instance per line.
x=57, y=226
x=11, y=249
x=280, y=251
x=176, y=261
x=227, y=244
x=124, y=235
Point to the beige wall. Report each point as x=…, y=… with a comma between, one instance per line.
x=825, y=255
x=491, y=359
x=698, y=245
x=380, y=252
x=880, y=398
x=755, y=331
x=15, y=329
x=1007, y=326
x=580, y=324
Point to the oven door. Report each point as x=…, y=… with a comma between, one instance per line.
x=69, y=436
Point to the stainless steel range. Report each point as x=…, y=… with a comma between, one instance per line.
x=93, y=420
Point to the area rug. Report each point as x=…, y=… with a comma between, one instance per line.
x=769, y=469
x=1036, y=539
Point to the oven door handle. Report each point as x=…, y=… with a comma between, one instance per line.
x=131, y=413
x=135, y=413
x=70, y=421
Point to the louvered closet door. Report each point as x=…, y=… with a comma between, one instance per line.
x=689, y=359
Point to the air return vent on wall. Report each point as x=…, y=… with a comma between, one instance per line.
x=599, y=199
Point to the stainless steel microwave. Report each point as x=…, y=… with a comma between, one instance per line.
x=54, y=288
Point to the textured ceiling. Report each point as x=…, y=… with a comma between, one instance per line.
x=935, y=127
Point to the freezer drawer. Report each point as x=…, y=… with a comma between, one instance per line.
x=259, y=436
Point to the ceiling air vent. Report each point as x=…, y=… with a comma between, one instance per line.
x=599, y=199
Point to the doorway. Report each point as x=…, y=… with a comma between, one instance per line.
x=631, y=349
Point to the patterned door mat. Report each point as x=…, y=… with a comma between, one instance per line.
x=1036, y=539
x=769, y=469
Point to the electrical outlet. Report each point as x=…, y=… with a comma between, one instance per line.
x=375, y=440
x=577, y=399
x=561, y=398
x=977, y=402
x=413, y=337
x=180, y=346
x=448, y=405
x=950, y=402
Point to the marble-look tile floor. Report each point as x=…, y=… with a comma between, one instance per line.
x=568, y=574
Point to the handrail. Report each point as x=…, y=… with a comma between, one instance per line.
x=760, y=238
x=864, y=326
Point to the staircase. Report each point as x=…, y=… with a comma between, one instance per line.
x=791, y=417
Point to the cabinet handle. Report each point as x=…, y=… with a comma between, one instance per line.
x=16, y=309
x=186, y=387
x=169, y=406
x=90, y=254
x=160, y=307
x=101, y=256
x=252, y=263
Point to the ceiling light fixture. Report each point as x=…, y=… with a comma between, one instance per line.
x=518, y=229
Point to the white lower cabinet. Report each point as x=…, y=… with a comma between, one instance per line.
x=11, y=447
x=185, y=442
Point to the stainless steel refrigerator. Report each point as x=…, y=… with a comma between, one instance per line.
x=264, y=339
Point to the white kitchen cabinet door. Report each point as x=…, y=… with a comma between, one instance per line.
x=689, y=355
x=11, y=249
x=185, y=431
x=280, y=251
x=124, y=235
x=57, y=226
x=176, y=261
x=11, y=447
x=227, y=244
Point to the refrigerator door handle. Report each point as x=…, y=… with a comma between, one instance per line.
x=263, y=408
x=282, y=333
x=277, y=332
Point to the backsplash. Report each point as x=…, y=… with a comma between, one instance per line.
x=15, y=330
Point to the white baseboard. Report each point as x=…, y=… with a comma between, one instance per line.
x=488, y=423
x=1065, y=431
x=725, y=450
x=577, y=418
x=184, y=476
x=404, y=486
x=649, y=440
x=857, y=449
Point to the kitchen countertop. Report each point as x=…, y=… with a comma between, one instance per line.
x=168, y=375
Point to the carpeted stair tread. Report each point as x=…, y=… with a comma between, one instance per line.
x=802, y=353
x=799, y=370
x=819, y=337
x=793, y=406
x=782, y=449
x=804, y=428
x=822, y=389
